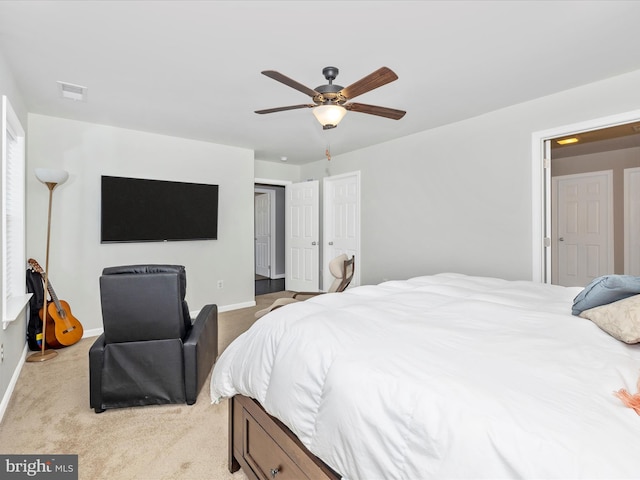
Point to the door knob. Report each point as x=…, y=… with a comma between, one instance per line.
x=330, y=243
x=313, y=243
x=561, y=239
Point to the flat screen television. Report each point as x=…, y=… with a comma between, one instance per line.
x=140, y=210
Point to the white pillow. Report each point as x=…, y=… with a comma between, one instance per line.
x=619, y=319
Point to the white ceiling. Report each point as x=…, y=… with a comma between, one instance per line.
x=192, y=69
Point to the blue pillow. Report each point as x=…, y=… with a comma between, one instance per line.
x=604, y=290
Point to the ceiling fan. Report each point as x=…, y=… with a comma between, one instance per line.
x=330, y=101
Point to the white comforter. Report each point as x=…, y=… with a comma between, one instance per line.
x=445, y=376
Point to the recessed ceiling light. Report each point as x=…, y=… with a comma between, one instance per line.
x=566, y=141
x=72, y=92
x=283, y=159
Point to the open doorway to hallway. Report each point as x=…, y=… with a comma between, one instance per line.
x=595, y=204
x=269, y=238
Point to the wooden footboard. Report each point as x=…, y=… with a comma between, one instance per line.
x=266, y=449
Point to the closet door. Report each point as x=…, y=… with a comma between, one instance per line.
x=341, y=222
x=302, y=244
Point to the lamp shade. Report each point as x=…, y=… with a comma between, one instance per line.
x=51, y=175
x=329, y=115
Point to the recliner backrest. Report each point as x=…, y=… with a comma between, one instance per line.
x=144, y=302
x=342, y=268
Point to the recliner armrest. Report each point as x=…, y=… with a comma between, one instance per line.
x=307, y=294
x=200, y=351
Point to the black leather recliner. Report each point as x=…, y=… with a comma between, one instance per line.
x=150, y=352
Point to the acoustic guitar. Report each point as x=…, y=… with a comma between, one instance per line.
x=62, y=328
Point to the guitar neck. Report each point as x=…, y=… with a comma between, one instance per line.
x=54, y=297
x=36, y=266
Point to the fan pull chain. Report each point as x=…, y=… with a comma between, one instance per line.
x=327, y=152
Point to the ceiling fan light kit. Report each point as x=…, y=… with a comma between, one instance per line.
x=329, y=116
x=330, y=101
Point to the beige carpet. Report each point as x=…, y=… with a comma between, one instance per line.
x=49, y=414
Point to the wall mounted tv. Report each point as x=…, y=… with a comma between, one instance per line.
x=139, y=210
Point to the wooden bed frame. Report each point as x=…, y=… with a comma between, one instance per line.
x=266, y=449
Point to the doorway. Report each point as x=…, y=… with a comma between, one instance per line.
x=264, y=231
x=269, y=238
x=611, y=143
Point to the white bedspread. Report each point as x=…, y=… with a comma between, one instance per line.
x=444, y=376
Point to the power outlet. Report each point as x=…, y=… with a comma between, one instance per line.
x=1, y=353
x=220, y=284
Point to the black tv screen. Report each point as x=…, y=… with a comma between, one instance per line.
x=139, y=210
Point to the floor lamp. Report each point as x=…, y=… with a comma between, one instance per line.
x=51, y=178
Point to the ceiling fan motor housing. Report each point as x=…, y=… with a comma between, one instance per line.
x=329, y=94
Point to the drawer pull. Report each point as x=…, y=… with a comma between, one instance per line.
x=274, y=472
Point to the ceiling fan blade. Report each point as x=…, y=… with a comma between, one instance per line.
x=380, y=77
x=282, y=109
x=290, y=82
x=391, y=113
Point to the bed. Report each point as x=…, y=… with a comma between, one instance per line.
x=442, y=376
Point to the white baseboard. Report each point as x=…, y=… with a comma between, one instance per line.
x=12, y=383
x=236, y=306
x=228, y=308
x=94, y=332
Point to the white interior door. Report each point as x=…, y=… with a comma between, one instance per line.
x=632, y=221
x=584, y=227
x=341, y=226
x=262, y=229
x=302, y=204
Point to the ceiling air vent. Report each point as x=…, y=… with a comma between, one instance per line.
x=72, y=92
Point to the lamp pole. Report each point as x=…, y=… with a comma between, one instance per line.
x=51, y=178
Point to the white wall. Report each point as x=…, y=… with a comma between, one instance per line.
x=276, y=171
x=459, y=197
x=77, y=258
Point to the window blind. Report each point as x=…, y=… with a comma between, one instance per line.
x=13, y=218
